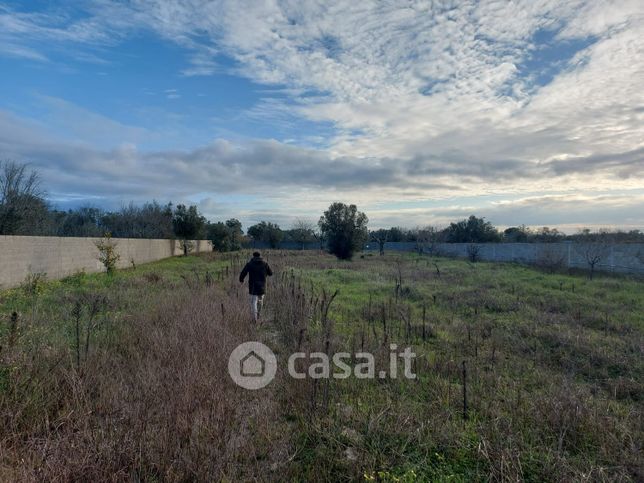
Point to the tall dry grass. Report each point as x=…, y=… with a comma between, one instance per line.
x=153, y=401
x=550, y=387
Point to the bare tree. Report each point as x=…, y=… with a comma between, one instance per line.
x=380, y=237
x=593, y=252
x=21, y=199
x=428, y=238
x=321, y=238
x=421, y=240
x=302, y=232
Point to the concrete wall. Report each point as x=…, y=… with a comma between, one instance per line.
x=624, y=258
x=59, y=257
x=285, y=245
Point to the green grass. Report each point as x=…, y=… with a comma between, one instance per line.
x=537, y=346
x=54, y=298
x=554, y=362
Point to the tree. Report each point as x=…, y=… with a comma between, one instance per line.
x=395, y=234
x=84, y=221
x=345, y=229
x=516, y=234
x=593, y=248
x=187, y=224
x=273, y=235
x=381, y=237
x=608, y=236
x=256, y=232
x=428, y=238
x=302, y=232
x=22, y=207
x=546, y=235
x=148, y=221
x=593, y=253
x=320, y=238
x=236, y=233
x=220, y=236
x=473, y=252
x=472, y=230
x=267, y=232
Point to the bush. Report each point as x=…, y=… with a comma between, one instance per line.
x=108, y=255
x=550, y=261
x=473, y=253
x=34, y=283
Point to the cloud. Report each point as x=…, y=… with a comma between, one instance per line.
x=421, y=97
x=569, y=212
x=256, y=166
x=172, y=94
x=625, y=165
x=13, y=50
x=438, y=87
x=66, y=121
x=289, y=181
x=31, y=34
x=585, y=209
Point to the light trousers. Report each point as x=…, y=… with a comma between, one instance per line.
x=256, y=304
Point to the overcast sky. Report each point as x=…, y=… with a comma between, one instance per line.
x=420, y=112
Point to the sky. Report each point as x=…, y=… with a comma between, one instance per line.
x=420, y=112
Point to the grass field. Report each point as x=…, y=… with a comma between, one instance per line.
x=125, y=377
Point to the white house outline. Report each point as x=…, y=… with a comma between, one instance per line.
x=243, y=363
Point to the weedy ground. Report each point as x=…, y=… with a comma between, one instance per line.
x=124, y=377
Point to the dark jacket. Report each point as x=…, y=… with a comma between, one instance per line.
x=257, y=270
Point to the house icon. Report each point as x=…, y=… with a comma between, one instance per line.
x=252, y=365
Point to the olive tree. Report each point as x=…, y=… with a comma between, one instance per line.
x=236, y=233
x=345, y=229
x=267, y=232
x=187, y=224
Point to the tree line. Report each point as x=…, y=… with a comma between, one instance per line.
x=478, y=230
x=342, y=229
x=25, y=211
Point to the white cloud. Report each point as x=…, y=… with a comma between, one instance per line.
x=569, y=212
x=370, y=63
x=422, y=94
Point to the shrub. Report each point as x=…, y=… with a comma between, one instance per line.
x=107, y=253
x=473, y=253
x=34, y=283
x=550, y=260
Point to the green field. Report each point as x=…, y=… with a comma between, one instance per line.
x=125, y=377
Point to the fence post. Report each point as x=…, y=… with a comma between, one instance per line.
x=464, y=392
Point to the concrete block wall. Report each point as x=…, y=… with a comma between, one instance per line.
x=624, y=258
x=59, y=257
x=285, y=245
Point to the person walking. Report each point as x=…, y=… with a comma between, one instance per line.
x=257, y=270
